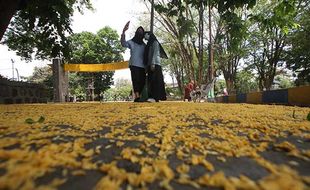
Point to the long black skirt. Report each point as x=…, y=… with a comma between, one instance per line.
x=137, y=78
x=156, y=84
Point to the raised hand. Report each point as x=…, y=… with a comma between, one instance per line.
x=126, y=27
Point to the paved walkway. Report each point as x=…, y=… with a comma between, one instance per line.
x=171, y=145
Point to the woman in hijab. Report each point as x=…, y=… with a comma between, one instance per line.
x=152, y=54
x=136, y=65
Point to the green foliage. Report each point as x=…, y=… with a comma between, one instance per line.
x=227, y=5
x=86, y=47
x=219, y=87
x=186, y=27
x=40, y=28
x=182, y=19
x=41, y=119
x=121, y=92
x=174, y=93
x=236, y=29
x=226, y=9
x=284, y=81
x=176, y=9
x=308, y=116
x=270, y=23
x=298, y=52
x=44, y=76
x=280, y=16
x=254, y=32
x=77, y=85
x=245, y=82
x=31, y=121
x=102, y=47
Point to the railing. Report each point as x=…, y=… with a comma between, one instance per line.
x=299, y=96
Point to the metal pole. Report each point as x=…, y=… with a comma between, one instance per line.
x=17, y=74
x=152, y=17
x=12, y=68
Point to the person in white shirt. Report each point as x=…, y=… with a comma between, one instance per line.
x=136, y=65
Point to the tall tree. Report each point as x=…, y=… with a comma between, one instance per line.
x=178, y=26
x=184, y=20
x=272, y=21
x=298, y=52
x=44, y=76
x=39, y=27
x=102, y=47
x=230, y=38
x=245, y=82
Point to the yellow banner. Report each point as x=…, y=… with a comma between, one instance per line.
x=96, y=67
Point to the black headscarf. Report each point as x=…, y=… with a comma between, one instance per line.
x=153, y=38
x=138, y=38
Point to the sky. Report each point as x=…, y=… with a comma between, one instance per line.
x=113, y=13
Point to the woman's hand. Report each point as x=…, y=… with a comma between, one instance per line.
x=153, y=67
x=126, y=27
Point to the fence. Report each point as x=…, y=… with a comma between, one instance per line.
x=13, y=92
x=299, y=96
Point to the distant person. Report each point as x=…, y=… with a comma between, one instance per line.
x=225, y=93
x=187, y=90
x=136, y=66
x=153, y=52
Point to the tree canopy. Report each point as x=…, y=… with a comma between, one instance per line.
x=41, y=27
x=86, y=47
x=298, y=51
x=44, y=76
x=254, y=39
x=102, y=47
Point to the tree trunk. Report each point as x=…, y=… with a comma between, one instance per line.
x=187, y=60
x=177, y=72
x=229, y=81
x=7, y=11
x=260, y=84
x=230, y=86
x=210, y=73
x=180, y=84
x=200, y=46
x=268, y=82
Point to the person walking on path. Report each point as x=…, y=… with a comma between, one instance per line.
x=136, y=65
x=153, y=52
